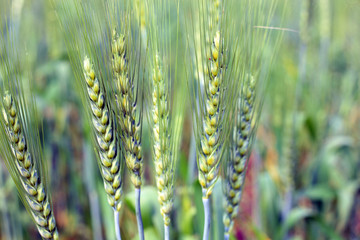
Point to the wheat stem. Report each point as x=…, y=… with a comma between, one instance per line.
x=138, y=213
x=207, y=216
x=209, y=156
x=117, y=225
x=166, y=232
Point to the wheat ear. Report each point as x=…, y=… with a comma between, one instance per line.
x=130, y=128
x=107, y=140
x=209, y=158
x=165, y=99
x=27, y=172
x=162, y=156
x=208, y=161
x=239, y=153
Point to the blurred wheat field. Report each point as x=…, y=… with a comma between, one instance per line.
x=302, y=179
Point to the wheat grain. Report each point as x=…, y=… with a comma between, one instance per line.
x=27, y=172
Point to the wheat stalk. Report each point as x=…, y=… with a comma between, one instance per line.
x=236, y=47
x=239, y=153
x=106, y=138
x=166, y=101
x=88, y=26
x=215, y=49
x=209, y=157
x=118, y=62
x=130, y=127
x=26, y=172
x=20, y=141
x=166, y=139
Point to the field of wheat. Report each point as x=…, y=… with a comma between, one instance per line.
x=180, y=119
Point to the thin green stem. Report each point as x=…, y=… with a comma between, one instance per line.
x=167, y=232
x=138, y=213
x=207, y=213
x=117, y=225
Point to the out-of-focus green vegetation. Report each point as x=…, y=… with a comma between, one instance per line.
x=303, y=180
